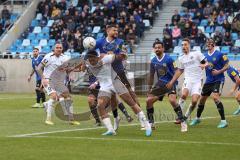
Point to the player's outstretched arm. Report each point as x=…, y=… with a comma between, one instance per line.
x=216, y=72
x=175, y=77
x=150, y=81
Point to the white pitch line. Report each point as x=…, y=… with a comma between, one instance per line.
x=95, y=128
x=139, y=140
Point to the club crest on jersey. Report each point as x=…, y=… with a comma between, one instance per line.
x=214, y=58
x=164, y=65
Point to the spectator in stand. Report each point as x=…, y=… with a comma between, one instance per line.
x=167, y=42
x=226, y=26
x=227, y=41
x=194, y=32
x=207, y=11
x=218, y=38
x=186, y=32
x=149, y=14
x=221, y=17
x=5, y=13
x=192, y=5
x=167, y=29
x=175, y=17
x=236, y=25
x=201, y=38
x=176, y=33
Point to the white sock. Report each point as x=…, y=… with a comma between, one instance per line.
x=49, y=108
x=108, y=124
x=181, y=102
x=224, y=121
x=63, y=105
x=143, y=120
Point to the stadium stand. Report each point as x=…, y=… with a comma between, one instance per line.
x=7, y=18
x=201, y=19
x=71, y=22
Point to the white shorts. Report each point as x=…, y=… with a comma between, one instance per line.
x=55, y=87
x=109, y=89
x=193, y=87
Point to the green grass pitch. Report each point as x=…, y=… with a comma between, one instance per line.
x=84, y=142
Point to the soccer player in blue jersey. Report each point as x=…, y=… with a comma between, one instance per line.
x=114, y=45
x=217, y=65
x=164, y=66
x=234, y=74
x=36, y=60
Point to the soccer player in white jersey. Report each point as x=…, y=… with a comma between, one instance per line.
x=53, y=78
x=192, y=64
x=110, y=85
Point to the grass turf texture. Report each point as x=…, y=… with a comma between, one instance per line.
x=204, y=141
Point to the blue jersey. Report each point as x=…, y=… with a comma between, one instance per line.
x=35, y=63
x=164, y=67
x=216, y=61
x=92, y=79
x=232, y=72
x=116, y=46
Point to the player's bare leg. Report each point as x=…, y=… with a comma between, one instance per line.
x=178, y=111
x=192, y=106
x=182, y=102
x=138, y=111
x=103, y=101
x=92, y=102
x=114, y=105
x=237, y=96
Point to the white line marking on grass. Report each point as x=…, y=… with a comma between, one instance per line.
x=95, y=128
x=139, y=140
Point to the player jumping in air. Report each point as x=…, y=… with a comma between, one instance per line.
x=110, y=85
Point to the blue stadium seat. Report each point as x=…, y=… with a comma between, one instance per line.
x=146, y=23
x=219, y=28
x=46, y=49
x=18, y=42
x=45, y=30
x=20, y=49
x=39, y=16
x=209, y=29
x=13, y=48
x=237, y=43
x=225, y=49
x=13, y=17
x=35, y=42
x=100, y=35
x=177, y=49
x=234, y=36
x=40, y=36
x=26, y=42
x=31, y=36
x=96, y=29
x=34, y=23
x=235, y=50
x=28, y=49
x=51, y=42
x=43, y=42
x=46, y=36
x=50, y=23
x=37, y=29
x=204, y=22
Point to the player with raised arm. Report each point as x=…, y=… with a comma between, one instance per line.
x=163, y=65
x=217, y=65
x=110, y=85
x=53, y=77
x=192, y=64
x=114, y=45
x=36, y=60
x=234, y=74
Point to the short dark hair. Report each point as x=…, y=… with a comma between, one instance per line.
x=91, y=53
x=158, y=42
x=112, y=26
x=35, y=48
x=186, y=40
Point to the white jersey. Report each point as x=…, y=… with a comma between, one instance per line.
x=191, y=65
x=52, y=65
x=103, y=70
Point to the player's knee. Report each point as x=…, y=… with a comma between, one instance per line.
x=216, y=98
x=150, y=101
x=184, y=96
x=194, y=103
x=53, y=96
x=91, y=99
